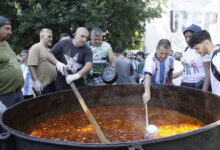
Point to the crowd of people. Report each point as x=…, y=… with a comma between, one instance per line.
x=42, y=69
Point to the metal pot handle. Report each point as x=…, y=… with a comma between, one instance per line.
x=5, y=135
x=136, y=147
x=6, y=141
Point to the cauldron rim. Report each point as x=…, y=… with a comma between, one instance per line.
x=119, y=144
x=112, y=144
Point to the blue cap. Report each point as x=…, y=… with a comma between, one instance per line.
x=192, y=28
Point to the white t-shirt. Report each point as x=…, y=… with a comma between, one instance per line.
x=193, y=69
x=214, y=82
x=158, y=69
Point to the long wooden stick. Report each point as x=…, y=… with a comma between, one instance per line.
x=87, y=112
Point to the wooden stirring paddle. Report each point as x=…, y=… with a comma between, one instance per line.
x=87, y=112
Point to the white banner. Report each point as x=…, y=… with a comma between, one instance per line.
x=179, y=15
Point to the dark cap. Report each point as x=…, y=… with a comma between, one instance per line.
x=193, y=28
x=4, y=21
x=24, y=51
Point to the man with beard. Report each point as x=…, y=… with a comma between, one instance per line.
x=75, y=57
x=202, y=43
x=11, y=77
x=43, y=73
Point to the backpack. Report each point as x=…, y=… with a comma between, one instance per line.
x=214, y=70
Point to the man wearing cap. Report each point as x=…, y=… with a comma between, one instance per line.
x=27, y=91
x=11, y=78
x=196, y=68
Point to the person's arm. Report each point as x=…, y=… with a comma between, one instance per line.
x=147, y=93
x=170, y=73
x=86, y=69
x=111, y=58
x=207, y=75
x=51, y=58
x=60, y=66
x=38, y=88
x=88, y=59
x=131, y=69
x=177, y=74
x=170, y=76
x=33, y=72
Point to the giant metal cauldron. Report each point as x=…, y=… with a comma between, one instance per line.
x=201, y=105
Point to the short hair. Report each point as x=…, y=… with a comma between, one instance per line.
x=64, y=35
x=199, y=37
x=119, y=50
x=96, y=31
x=141, y=53
x=164, y=43
x=45, y=30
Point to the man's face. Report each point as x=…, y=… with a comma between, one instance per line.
x=5, y=32
x=162, y=53
x=130, y=55
x=96, y=40
x=187, y=35
x=47, y=38
x=24, y=57
x=81, y=37
x=201, y=49
x=139, y=58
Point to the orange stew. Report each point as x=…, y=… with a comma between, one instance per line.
x=118, y=123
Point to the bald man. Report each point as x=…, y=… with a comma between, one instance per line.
x=75, y=57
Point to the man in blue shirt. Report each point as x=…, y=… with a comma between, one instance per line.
x=158, y=66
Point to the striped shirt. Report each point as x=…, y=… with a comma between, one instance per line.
x=158, y=69
x=27, y=80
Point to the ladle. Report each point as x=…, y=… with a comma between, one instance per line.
x=150, y=130
x=87, y=112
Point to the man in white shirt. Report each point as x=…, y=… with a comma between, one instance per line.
x=202, y=43
x=158, y=66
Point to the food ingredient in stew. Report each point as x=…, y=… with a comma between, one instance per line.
x=118, y=123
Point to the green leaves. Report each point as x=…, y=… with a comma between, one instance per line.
x=122, y=20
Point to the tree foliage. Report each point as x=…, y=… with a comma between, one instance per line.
x=122, y=21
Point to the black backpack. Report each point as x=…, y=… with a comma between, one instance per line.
x=214, y=70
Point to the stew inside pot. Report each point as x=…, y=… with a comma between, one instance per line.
x=118, y=123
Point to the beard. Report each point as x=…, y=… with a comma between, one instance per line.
x=205, y=49
x=5, y=38
x=49, y=43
